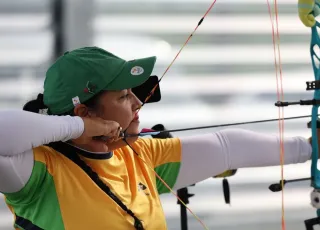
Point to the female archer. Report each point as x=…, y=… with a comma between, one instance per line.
x=56, y=173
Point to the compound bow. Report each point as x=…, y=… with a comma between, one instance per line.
x=308, y=10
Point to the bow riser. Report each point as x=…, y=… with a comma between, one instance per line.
x=315, y=173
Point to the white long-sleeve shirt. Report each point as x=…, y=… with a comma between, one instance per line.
x=21, y=131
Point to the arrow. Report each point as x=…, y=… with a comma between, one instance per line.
x=147, y=131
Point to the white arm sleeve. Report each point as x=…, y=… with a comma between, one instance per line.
x=22, y=131
x=208, y=155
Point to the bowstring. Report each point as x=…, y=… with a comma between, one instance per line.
x=176, y=56
x=149, y=96
x=280, y=95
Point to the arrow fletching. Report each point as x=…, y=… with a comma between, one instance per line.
x=146, y=131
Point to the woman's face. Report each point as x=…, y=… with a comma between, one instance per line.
x=120, y=106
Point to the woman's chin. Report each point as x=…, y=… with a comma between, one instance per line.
x=133, y=129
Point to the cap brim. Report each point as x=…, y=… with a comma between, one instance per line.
x=134, y=73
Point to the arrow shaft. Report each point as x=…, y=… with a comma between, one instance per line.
x=216, y=126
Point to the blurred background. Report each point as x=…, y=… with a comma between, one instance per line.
x=225, y=74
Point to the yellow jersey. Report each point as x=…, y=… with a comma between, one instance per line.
x=61, y=196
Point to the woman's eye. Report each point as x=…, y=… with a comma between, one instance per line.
x=124, y=96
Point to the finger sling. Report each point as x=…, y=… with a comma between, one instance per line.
x=70, y=152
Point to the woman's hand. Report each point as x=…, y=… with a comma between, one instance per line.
x=97, y=127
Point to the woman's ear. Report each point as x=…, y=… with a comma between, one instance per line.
x=81, y=110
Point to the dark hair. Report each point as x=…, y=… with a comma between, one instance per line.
x=37, y=105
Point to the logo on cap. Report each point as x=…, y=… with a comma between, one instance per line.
x=76, y=100
x=137, y=70
x=90, y=88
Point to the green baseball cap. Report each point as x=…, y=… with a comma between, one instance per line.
x=80, y=74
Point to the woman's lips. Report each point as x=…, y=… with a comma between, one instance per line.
x=136, y=117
